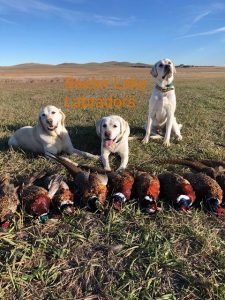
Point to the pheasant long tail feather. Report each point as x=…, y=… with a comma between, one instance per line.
x=70, y=165
x=37, y=175
x=195, y=164
x=94, y=169
x=186, y=162
x=54, y=185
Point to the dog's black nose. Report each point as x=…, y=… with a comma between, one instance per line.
x=107, y=134
x=49, y=121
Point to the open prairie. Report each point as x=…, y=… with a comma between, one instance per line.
x=127, y=255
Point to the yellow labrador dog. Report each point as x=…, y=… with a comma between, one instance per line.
x=162, y=104
x=49, y=135
x=114, y=132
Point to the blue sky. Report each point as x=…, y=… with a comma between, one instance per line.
x=47, y=31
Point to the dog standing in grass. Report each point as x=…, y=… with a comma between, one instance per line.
x=162, y=104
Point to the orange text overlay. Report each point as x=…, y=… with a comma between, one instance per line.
x=91, y=102
x=95, y=84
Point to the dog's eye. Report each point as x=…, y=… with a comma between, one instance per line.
x=169, y=63
x=104, y=126
x=160, y=65
x=53, y=112
x=43, y=115
x=114, y=126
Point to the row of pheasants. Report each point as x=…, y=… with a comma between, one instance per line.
x=41, y=194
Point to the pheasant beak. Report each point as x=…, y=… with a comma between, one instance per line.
x=150, y=204
x=117, y=205
x=184, y=208
x=67, y=208
x=211, y=204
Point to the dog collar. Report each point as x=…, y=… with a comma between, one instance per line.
x=169, y=87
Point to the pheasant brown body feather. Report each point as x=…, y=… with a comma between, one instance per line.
x=177, y=190
x=36, y=199
x=8, y=201
x=120, y=187
x=207, y=190
x=147, y=188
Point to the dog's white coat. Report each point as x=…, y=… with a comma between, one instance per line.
x=162, y=105
x=48, y=135
x=113, y=131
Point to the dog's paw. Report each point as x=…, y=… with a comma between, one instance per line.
x=120, y=169
x=166, y=143
x=107, y=168
x=180, y=138
x=145, y=140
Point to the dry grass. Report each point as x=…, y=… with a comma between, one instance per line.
x=115, y=256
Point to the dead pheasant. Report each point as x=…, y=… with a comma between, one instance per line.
x=207, y=190
x=195, y=164
x=212, y=168
x=221, y=181
x=8, y=201
x=64, y=198
x=147, y=188
x=219, y=168
x=120, y=187
x=213, y=163
x=95, y=191
x=36, y=199
x=177, y=190
x=90, y=185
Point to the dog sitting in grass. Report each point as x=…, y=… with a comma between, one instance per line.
x=162, y=104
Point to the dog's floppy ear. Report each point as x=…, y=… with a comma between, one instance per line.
x=99, y=127
x=174, y=69
x=154, y=72
x=39, y=117
x=124, y=127
x=63, y=117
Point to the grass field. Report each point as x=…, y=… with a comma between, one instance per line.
x=127, y=255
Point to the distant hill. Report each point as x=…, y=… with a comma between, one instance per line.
x=71, y=65
x=105, y=64
x=31, y=65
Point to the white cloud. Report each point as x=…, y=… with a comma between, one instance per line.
x=39, y=7
x=113, y=21
x=195, y=14
x=200, y=16
x=6, y=21
x=27, y=6
x=210, y=32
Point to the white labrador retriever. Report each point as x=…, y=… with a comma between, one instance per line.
x=113, y=131
x=49, y=135
x=162, y=104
